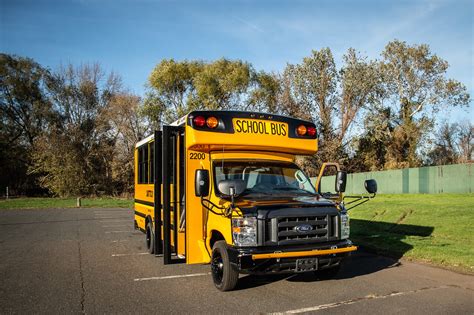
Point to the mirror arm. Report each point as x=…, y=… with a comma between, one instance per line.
x=362, y=200
x=359, y=198
x=232, y=193
x=213, y=206
x=223, y=210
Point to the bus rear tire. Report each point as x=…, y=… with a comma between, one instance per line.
x=150, y=238
x=225, y=276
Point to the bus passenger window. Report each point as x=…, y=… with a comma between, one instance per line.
x=143, y=164
x=151, y=163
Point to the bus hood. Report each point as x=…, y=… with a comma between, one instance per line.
x=251, y=205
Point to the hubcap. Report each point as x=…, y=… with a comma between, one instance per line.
x=217, y=268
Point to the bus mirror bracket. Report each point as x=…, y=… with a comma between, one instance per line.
x=201, y=183
x=371, y=187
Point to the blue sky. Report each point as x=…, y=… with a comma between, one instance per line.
x=130, y=37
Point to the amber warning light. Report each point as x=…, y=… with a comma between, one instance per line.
x=303, y=130
x=212, y=122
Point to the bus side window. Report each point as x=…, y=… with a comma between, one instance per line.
x=139, y=165
x=143, y=164
x=151, y=163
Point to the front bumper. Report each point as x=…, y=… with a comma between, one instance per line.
x=285, y=259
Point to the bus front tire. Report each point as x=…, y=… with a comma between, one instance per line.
x=150, y=238
x=225, y=277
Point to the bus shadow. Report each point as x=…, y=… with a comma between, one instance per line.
x=381, y=245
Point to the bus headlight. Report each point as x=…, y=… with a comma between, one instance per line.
x=345, y=226
x=244, y=231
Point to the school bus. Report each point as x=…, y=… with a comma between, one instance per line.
x=222, y=187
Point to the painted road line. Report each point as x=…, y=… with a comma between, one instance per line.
x=117, y=241
x=173, y=277
x=112, y=218
x=128, y=231
x=104, y=211
x=133, y=254
x=109, y=226
x=355, y=300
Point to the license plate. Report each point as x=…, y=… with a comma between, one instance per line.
x=307, y=264
x=260, y=127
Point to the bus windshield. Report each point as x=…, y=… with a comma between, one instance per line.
x=265, y=177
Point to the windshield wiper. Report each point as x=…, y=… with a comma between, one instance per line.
x=292, y=188
x=250, y=191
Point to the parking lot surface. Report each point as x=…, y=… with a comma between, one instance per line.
x=93, y=261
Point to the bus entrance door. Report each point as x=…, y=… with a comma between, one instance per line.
x=173, y=202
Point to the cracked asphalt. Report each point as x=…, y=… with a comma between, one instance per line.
x=93, y=261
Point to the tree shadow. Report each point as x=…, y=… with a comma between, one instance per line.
x=381, y=245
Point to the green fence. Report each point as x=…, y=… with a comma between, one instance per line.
x=456, y=178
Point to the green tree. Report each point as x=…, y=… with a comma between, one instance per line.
x=127, y=128
x=264, y=96
x=24, y=113
x=74, y=155
x=333, y=98
x=371, y=147
x=453, y=143
x=416, y=85
x=171, y=89
x=222, y=84
x=175, y=88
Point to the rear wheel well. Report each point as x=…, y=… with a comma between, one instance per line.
x=215, y=236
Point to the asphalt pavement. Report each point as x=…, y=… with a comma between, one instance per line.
x=93, y=261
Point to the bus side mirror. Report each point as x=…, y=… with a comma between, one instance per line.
x=341, y=179
x=231, y=188
x=371, y=186
x=201, y=183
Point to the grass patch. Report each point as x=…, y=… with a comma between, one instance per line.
x=38, y=203
x=430, y=228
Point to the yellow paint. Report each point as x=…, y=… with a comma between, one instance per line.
x=339, y=197
x=305, y=253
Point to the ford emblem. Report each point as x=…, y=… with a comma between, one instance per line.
x=303, y=228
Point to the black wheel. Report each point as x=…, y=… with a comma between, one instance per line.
x=150, y=238
x=224, y=275
x=326, y=274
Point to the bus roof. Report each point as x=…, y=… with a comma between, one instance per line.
x=239, y=130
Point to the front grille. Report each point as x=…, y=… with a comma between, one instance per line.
x=302, y=229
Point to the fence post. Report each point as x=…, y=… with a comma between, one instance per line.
x=78, y=202
x=7, y=192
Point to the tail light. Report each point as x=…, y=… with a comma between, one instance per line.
x=199, y=121
x=311, y=131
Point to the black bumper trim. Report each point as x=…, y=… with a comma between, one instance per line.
x=241, y=258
